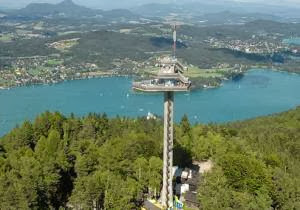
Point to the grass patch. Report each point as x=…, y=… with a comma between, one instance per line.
x=65, y=45
x=195, y=72
x=68, y=32
x=54, y=62
x=39, y=26
x=35, y=71
x=6, y=37
x=151, y=70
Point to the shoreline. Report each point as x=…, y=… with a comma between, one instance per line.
x=64, y=80
x=95, y=75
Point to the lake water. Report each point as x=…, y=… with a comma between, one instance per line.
x=295, y=41
x=260, y=92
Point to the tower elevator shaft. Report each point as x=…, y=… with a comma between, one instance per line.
x=167, y=190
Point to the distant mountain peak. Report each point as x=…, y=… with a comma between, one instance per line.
x=68, y=9
x=67, y=2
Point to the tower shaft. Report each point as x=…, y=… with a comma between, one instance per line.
x=167, y=191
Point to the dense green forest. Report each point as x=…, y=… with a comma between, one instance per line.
x=57, y=162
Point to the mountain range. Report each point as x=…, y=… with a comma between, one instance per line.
x=206, y=7
x=209, y=12
x=68, y=9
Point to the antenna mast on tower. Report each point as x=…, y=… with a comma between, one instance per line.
x=174, y=39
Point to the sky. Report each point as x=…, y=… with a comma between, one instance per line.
x=110, y=4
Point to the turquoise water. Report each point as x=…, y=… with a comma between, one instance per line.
x=260, y=92
x=295, y=41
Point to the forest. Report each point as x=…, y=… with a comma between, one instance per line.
x=61, y=162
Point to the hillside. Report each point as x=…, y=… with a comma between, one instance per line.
x=65, y=8
x=68, y=9
x=104, y=46
x=60, y=161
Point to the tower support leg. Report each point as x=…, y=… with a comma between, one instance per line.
x=167, y=191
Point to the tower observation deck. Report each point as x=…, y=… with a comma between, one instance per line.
x=170, y=79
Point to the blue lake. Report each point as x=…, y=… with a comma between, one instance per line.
x=260, y=92
x=295, y=41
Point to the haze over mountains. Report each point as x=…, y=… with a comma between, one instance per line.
x=206, y=7
x=67, y=9
x=116, y=4
x=212, y=12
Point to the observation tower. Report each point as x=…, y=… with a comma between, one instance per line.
x=170, y=79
